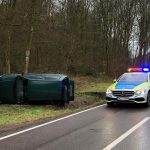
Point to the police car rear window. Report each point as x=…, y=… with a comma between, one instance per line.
x=133, y=77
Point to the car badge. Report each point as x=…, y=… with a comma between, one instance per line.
x=122, y=93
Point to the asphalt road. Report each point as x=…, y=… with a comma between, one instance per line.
x=118, y=128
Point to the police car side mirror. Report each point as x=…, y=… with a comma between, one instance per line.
x=115, y=80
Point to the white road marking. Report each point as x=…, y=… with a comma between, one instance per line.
x=123, y=136
x=50, y=122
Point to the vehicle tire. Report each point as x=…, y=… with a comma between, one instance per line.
x=147, y=104
x=110, y=104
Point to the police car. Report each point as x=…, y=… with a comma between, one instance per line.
x=131, y=87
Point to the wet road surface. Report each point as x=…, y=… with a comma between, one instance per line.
x=118, y=128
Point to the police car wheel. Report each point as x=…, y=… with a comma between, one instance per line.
x=148, y=100
x=110, y=104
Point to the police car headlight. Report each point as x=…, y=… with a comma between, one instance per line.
x=139, y=92
x=109, y=91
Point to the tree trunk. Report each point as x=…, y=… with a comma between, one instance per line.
x=28, y=51
x=7, y=54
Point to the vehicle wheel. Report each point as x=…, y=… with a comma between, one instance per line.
x=148, y=100
x=110, y=104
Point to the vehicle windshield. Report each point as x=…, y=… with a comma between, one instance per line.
x=134, y=77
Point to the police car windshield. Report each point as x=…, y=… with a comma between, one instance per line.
x=134, y=77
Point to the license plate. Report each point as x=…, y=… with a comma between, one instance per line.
x=123, y=98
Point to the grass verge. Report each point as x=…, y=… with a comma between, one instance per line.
x=19, y=114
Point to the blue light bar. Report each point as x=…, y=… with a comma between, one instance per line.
x=145, y=69
x=138, y=69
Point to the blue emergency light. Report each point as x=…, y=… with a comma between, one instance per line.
x=145, y=69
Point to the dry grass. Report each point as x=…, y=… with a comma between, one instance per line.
x=92, y=84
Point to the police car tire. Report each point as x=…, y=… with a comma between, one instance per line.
x=148, y=99
x=110, y=104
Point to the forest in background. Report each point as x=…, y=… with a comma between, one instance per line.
x=79, y=37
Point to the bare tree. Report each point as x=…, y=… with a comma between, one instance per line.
x=85, y=37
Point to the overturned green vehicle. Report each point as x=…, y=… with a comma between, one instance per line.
x=55, y=88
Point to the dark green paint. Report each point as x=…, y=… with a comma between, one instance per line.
x=15, y=88
x=11, y=89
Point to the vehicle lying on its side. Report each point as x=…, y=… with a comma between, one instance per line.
x=17, y=88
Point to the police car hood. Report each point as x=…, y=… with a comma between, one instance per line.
x=127, y=85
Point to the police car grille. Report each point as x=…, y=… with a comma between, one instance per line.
x=123, y=93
